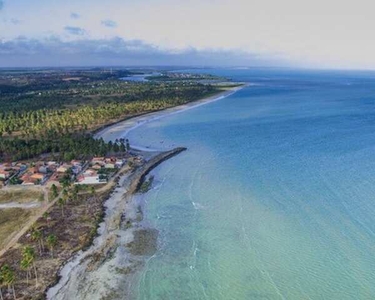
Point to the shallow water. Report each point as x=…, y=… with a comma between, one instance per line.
x=275, y=197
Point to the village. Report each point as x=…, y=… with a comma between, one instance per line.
x=97, y=170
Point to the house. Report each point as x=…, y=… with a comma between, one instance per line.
x=31, y=178
x=22, y=167
x=94, y=179
x=90, y=176
x=76, y=166
x=76, y=163
x=120, y=163
x=6, y=166
x=27, y=180
x=90, y=172
x=4, y=174
x=63, y=168
x=109, y=166
x=38, y=177
x=43, y=169
x=97, y=159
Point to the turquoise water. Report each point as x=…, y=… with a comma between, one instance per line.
x=275, y=197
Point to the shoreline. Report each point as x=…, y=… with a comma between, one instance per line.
x=122, y=128
x=122, y=223
x=119, y=212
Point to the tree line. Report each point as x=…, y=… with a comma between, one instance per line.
x=52, y=122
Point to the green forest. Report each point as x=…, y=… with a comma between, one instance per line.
x=55, y=112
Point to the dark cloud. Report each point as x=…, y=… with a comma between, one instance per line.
x=23, y=52
x=109, y=23
x=74, y=30
x=74, y=15
x=1, y=4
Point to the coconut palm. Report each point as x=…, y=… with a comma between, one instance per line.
x=8, y=277
x=61, y=202
x=37, y=236
x=51, y=242
x=54, y=191
x=28, y=261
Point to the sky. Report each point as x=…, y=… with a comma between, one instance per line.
x=285, y=33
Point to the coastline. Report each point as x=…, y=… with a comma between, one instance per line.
x=122, y=230
x=115, y=232
x=122, y=128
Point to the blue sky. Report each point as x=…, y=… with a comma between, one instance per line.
x=333, y=34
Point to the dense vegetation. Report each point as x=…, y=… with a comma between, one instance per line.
x=49, y=122
x=52, y=111
x=66, y=147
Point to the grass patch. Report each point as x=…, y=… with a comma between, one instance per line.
x=11, y=221
x=21, y=195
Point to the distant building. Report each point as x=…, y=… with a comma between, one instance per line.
x=109, y=166
x=4, y=174
x=63, y=168
x=90, y=176
x=43, y=169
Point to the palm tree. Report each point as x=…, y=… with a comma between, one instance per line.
x=51, y=242
x=37, y=235
x=93, y=193
x=54, y=191
x=75, y=192
x=61, y=202
x=28, y=261
x=25, y=265
x=8, y=277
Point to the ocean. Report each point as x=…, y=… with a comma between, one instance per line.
x=275, y=196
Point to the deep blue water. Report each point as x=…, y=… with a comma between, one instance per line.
x=275, y=197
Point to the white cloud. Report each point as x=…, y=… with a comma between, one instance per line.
x=53, y=51
x=312, y=33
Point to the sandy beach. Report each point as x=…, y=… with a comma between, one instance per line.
x=122, y=128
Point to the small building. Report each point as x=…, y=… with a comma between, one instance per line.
x=63, y=168
x=76, y=163
x=43, y=169
x=109, y=166
x=28, y=182
x=38, y=176
x=120, y=163
x=4, y=174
